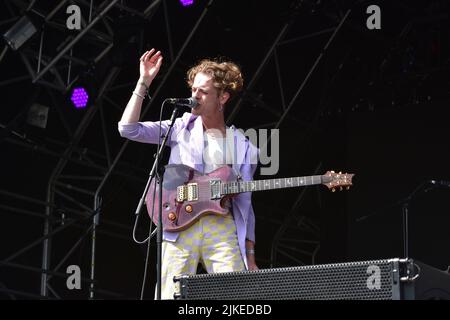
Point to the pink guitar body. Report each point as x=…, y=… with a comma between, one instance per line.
x=188, y=195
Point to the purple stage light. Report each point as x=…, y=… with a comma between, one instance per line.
x=79, y=97
x=186, y=3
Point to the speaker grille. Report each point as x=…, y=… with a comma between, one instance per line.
x=352, y=281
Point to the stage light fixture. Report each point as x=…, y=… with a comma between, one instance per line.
x=186, y=3
x=79, y=97
x=19, y=33
x=38, y=115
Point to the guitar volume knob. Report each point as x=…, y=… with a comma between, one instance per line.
x=172, y=216
x=188, y=208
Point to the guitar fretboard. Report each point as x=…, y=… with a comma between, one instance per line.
x=269, y=184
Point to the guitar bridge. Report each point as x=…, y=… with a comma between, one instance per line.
x=215, y=189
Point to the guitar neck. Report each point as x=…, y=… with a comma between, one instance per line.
x=270, y=184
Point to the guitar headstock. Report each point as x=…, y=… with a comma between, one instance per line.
x=339, y=180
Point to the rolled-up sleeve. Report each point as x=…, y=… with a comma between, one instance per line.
x=146, y=132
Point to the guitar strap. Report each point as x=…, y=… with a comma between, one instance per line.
x=191, y=175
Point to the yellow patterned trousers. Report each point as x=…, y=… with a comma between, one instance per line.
x=212, y=241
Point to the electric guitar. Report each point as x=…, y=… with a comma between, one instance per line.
x=188, y=194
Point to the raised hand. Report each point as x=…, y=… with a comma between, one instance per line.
x=150, y=63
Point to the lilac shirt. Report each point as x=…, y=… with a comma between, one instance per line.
x=187, y=145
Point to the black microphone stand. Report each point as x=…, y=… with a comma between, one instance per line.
x=152, y=175
x=405, y=212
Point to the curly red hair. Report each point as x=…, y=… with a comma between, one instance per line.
x=227, y=76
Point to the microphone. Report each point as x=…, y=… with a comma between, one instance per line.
x=187, y=102
x=441, y=183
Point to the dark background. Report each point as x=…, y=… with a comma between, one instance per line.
x=395, y=154
x=372, y=103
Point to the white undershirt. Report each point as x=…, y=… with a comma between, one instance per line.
x=218, y=151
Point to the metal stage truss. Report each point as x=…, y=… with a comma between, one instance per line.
x=72, y=209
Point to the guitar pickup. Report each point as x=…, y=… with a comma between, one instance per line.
x=182, y=193
x=214, y=185
x=192, y=192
